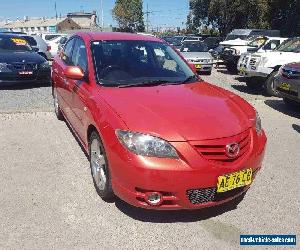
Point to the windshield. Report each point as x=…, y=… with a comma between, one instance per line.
x=233, y=37
x=290, y=46
x=194, y=47
x=14, y=44
x=258, y=42
x=137, y=62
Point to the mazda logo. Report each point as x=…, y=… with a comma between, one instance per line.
x=232, y=150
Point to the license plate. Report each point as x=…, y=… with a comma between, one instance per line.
x=234, y=180
x=198, y=66
x=285, y=86
x=25, y=73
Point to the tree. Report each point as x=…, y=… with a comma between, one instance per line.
x=129, y=15
x=285, y=16
x=226, y=15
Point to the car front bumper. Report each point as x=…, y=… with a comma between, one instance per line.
x=293, y=92
x=204, y=67
x=181, y=182
x=40, y=76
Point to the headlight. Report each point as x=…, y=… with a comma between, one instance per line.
x=146, y=145
x=258, y=124
x=3, y=67
x=45, y=65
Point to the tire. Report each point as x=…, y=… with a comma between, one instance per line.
x=100, y=168
x=291, y=104
x=269, y=84
x=253, y=83
x=57, y=109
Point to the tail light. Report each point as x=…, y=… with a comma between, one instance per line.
x=48, y=47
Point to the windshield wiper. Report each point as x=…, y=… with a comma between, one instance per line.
x=189, y=79
x=146, y=84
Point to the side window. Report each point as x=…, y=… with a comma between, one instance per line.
x=271, y=45
x=79, y=57
x=67, y=55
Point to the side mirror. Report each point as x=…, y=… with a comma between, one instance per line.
x=74, y=72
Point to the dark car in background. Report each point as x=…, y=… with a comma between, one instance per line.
x=287, y=83
x=19, y=63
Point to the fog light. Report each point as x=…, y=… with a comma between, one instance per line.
x=154, y=198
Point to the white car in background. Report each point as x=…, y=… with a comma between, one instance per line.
x=49, y=36
x=270, y=44
x=266, y=65
x=55, y=44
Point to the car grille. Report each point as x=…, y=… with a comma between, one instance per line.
x=253, y=62
x=215, y=150
x=204, y=195
x=290, y=73
x=199, y=60
x=23, y=66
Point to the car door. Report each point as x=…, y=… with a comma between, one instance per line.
x=80, y=88
x=63, y=84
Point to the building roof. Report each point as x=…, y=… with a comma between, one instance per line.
x=33, y=23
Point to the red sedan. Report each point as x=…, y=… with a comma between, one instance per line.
x=156, y=134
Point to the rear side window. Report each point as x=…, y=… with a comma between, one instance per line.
x=67, y=54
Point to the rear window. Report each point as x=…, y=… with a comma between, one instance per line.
x=50, y=37
x=14, y=44
x=30, y=40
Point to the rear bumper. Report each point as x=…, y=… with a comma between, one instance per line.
x=178, y=180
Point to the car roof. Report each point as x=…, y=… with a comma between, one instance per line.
x=11, y=35
x=117, y=36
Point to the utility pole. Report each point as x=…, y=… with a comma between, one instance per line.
x=147, y=18
x=55, y=8
x=102, y=14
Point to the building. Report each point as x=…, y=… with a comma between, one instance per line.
x=73, y=21
x=83, y=19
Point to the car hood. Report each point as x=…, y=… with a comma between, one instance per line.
x=201, y=55
x=20, y=56
x=197, y=111
x=295, y=66
x=236, y=42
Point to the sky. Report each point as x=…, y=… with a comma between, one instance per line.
x=164, y=13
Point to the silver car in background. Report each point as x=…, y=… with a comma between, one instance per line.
x=197, y=53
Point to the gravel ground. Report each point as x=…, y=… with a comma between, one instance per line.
x=48, y=201
x=25, y=99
